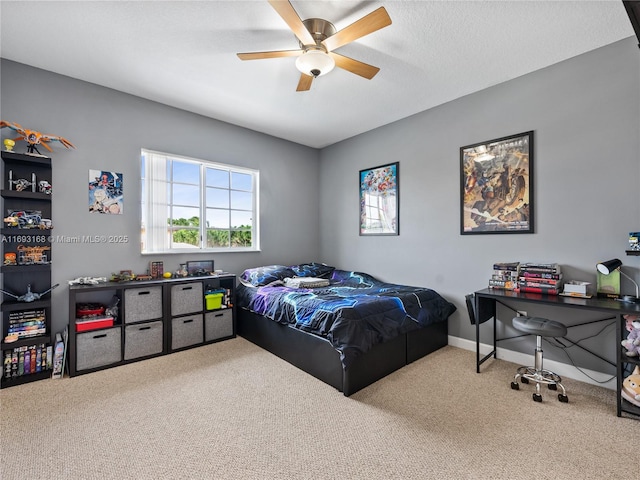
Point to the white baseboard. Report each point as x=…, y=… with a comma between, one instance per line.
x=562, y=369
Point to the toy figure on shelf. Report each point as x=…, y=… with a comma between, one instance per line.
x=23, y=218
x=30, y=255
x=44, y=187
x=87, y=280
x=632, y=342
x=123, y=276
x=20, y=185
x=112, y=308
x=9, y=144
x=10, y=258
x=631, y=387
x=27, y=219
x=29, y=296
x=34, y=138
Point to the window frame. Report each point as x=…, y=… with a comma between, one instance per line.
x=161, y=242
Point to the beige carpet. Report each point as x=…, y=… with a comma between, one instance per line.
x=233, y=411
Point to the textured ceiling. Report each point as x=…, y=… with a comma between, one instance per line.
x=183, y=54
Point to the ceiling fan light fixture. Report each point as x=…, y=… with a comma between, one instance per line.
x=315, y=63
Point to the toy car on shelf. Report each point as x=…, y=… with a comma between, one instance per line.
x=27, y=219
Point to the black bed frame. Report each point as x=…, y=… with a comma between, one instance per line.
x=316, y=356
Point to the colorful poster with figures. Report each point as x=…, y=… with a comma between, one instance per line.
x=379, y=200
x=105, y=192
x=496, y=190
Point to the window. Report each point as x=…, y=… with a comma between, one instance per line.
x=190, y=204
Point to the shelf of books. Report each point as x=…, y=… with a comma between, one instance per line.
x=25, y=305
x=26, y=350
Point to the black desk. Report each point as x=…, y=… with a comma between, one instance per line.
x=485, y=309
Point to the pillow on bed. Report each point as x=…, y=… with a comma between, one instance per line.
x=261, y=276
x=306, y=282
x=313, y=269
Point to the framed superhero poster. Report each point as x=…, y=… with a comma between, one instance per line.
x=105, y=192
x=379, y=200
x=497, y=186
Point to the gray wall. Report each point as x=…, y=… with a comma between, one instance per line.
x=585, y=113
x=109, y=128
x=586, y=116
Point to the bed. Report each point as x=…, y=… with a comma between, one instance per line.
x=346, y=328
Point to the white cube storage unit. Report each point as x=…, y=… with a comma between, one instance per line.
x=155, y=317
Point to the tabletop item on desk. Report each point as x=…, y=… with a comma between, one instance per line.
x=614, y=265
x=543, y=278
x=576, y=288
x=504, y=276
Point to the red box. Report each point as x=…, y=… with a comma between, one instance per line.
x=95, y=323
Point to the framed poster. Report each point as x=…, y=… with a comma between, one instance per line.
x=105, y=192
x=379, y=206
x=497, y=186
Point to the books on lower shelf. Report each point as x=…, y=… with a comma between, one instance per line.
x=26, y=360
x=26, y=324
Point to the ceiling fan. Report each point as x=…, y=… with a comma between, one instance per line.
x=318, y=39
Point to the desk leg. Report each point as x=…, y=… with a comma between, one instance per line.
x=619, y=369
x=485, y=310
x=478, y=362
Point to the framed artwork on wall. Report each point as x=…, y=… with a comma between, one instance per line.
x=379, y=200
x=105, y=192
x=496, y=192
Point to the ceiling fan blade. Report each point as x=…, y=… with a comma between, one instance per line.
x=368, y=24
x=354, y=66
x=304, y=83
x=289, y=15
x=272, y=54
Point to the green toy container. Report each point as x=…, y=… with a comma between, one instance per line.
x=213, y=301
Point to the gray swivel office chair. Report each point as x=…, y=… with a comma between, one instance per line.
x=540, y=327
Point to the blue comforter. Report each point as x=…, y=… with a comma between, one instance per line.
x=355, y=312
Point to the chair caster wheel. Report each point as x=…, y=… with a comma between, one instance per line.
x=537, y=398
x=563, y=398
x=553, y=386
x=524, y=380
x=515, y=386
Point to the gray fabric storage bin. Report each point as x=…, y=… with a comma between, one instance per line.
x=218, y=324
x=142, y=304
x=98, y=348
x=142, y=340
x=186, y=331
x=186, y=298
